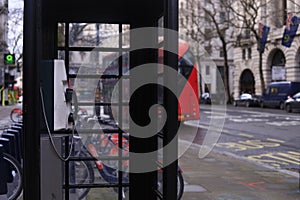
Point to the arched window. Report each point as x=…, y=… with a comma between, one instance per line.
x=278, y=66
x=279, y=13
x=278, y=59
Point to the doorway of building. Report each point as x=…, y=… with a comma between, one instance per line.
x=247, y=82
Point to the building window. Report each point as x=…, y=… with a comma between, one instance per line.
x=221, y=53
x=207, y=17
x=284, y=10
x=207, y=70
x=187, y=19
x=207, y=33
x=244, y=54
x=181, y=20
x=207, y=88
x=280, y=8
x=208, y=49
x=222, y=17
x=223, y=32
x=245, y=34
x=249, y=53
x=278, y=59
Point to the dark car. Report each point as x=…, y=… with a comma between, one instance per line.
x=278, y=92
x=247, y=100
x=292, y=103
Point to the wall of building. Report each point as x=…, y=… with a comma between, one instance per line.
x=210, y=48
x=291, y=54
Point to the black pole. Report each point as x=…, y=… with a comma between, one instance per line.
x=143, y=184
x=170, y=102
x=31, y=136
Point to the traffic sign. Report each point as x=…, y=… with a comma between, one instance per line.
x=9, y=59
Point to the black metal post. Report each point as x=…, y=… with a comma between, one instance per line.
x=171, y=126
x=31, y=109
x=3, y=184
x=142, y=185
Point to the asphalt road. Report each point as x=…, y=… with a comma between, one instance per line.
x=267, y=136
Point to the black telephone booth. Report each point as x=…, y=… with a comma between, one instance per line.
x=49, y=29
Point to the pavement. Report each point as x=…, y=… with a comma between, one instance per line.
x=5, y=115
x=218, y=176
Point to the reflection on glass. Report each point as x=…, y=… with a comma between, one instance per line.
x=61, y=34
x=61, y=55
x=93, y=62
x=125, y=36
x=93, y=35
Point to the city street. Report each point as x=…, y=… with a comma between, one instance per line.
x=111, y=100
x=254, y=158
x=268, y=136
x=258, y=146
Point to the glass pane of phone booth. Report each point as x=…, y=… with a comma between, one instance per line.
x=96, y=57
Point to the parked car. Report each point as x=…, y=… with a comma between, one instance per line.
x=278, y=92
x=292, y=103
x=247, y=100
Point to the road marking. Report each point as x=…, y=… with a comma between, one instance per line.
x=278, y=159
x=291, y=155
x=275, y=140
x=194, y=188
x=254, y=185
x=255, y=113
x=245, y=120
x=250, y=116
x=284, y=123
x=226, y=131
x=246, y=135
x=248, y=144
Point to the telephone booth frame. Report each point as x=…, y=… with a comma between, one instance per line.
x=41, y=20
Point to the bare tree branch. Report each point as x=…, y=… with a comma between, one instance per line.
x=15, y=37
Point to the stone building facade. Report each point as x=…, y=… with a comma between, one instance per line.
x=196, y=27
x=279, y=63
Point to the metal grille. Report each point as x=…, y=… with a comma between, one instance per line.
x=76, y=42
x=114, y=63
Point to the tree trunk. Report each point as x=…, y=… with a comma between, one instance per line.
x=226, y=73
x=261, y=76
